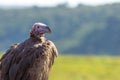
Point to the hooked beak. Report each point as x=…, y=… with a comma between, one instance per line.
x=47, y=30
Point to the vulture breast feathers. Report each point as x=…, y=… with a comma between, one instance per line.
x=29, y=60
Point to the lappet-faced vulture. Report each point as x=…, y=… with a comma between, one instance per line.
x=31, y=59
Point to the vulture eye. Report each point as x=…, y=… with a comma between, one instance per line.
x=38, y=26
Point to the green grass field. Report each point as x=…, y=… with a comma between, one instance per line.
x=71, y=67
x=86, y=68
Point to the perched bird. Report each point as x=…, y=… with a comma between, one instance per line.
x=31, y=59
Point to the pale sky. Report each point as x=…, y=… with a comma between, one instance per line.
x=53, y=2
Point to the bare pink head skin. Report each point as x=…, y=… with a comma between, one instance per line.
x=39, y=29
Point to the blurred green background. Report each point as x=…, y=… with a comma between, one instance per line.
x=87, y=37
x=86, y=68
x=80, y=30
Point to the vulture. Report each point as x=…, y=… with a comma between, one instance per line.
x=31, y=59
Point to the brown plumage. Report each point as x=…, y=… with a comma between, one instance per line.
x=29, y=60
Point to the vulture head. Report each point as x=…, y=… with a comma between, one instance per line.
x=39, y=29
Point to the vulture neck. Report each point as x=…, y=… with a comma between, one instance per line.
x=41, y=39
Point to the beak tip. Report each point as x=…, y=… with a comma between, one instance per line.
x=48, y=30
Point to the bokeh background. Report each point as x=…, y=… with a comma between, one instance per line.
x=86, y=33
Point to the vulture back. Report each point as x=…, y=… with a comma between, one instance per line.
x=30, y=60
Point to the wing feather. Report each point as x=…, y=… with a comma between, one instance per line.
x=23, y=61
